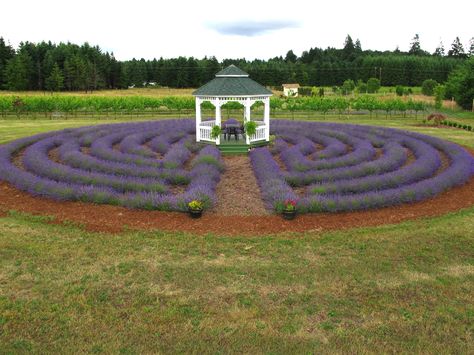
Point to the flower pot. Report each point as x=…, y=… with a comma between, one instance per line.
x=195, y=213
x=289, y=214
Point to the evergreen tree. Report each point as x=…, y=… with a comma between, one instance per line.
x=19, y=71
x=415, y=46
x=290, y=57
x=6, y=53
x=471, y=47
x=439, y=51
x=457, y=49
x=348, y=51
x=55, y=81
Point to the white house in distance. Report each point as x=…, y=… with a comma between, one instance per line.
x=232, y=85
x=290, y=89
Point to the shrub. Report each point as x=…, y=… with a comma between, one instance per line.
x=399, y=90
x=347, y=87
x=439, y=91
x=305, y=91
x=460, y=84
x=437, y=118
x=373, y=85
x=428, y=86
x=361, y=87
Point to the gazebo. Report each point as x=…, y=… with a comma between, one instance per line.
x=232, y=85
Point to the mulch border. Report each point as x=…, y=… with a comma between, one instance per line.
x=115, y=219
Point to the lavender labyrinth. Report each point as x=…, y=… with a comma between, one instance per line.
x=147, y=165
x=325, y=167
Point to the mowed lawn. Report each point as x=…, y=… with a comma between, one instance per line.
x=397, y=288
x=405, y=287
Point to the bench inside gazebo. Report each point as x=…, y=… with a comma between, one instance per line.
x=232, y=85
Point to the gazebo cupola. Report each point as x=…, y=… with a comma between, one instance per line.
x=232, y=84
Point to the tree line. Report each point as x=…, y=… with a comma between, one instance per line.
x=71, y=67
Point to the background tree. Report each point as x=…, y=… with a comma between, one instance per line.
x=457, y=49
x=361, y=87
x=415, y=46
x=373, y=85
x=6, y=53
x=439, y=92
x=358, y=46
x=290, y=57
x=19, y=72
x=471, y=47
x=439, y=51
x=55, y=81
x=348, y=51
x=428, y=86
x=460, y=84
x=399, y=90
x=347, y=87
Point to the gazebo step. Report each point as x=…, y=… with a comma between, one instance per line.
x=234, y=153
x=234, y=149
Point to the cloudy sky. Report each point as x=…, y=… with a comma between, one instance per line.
x=235, y=29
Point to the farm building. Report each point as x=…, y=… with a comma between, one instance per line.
x=232, y=85
x=290, y=89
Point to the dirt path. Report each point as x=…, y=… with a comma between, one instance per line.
x=238, y=193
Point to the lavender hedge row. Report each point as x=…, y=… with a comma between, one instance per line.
x=352, y=167
x=92, y=169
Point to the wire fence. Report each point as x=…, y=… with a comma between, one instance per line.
x=226, y=114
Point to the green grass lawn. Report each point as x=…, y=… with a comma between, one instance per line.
x=397, y=288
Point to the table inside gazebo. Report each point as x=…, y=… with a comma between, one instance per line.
x=232, y=129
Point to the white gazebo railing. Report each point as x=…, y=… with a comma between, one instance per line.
x=205, y=133
x=260, y=134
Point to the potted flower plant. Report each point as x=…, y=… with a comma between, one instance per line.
x=250, y=128
x=195, y=208
x=289, y=209
x=216, y=132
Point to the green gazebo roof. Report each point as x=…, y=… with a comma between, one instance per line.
x=232, y=81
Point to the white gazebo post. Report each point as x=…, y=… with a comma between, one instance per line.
x=247, y=117
x=218, y=118
x=266, y=118
x=198, y=119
